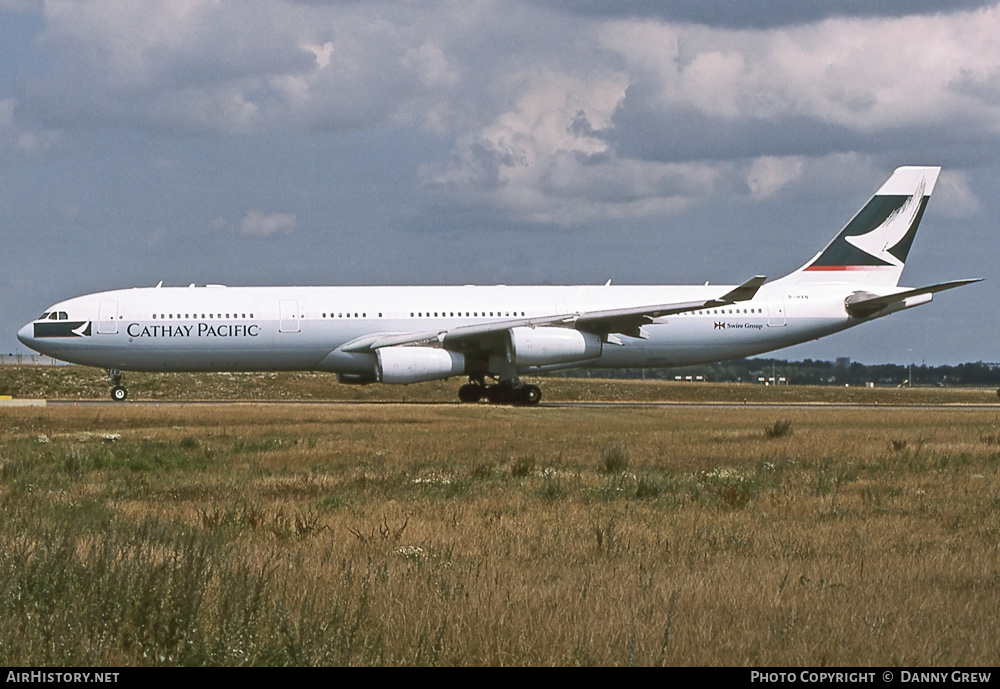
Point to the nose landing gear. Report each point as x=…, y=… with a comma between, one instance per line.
x=118, y=391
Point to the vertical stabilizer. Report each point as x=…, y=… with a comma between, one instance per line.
x=872, y=248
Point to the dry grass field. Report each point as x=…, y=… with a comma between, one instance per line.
x=446, y=534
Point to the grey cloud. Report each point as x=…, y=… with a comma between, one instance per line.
x=982, y=87
x=758, y=14
x=223, y=68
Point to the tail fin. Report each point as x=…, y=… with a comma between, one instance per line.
x=872, y=248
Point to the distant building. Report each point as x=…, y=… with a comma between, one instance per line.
x=29, y=360
x=843, y=362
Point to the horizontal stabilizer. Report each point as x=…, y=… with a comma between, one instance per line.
x=864, y=304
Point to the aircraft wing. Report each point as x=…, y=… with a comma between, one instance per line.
x=489, y=335
x=628, y=321
x=864, y=304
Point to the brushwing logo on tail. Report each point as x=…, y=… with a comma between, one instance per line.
x=880, y=235
x=879, y=242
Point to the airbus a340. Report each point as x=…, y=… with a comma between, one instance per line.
x=494, y=335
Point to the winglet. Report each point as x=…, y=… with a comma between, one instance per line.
x=744, y=292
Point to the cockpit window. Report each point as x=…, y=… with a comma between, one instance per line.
x=54, y=316
x=43, y=316
x=63, y=316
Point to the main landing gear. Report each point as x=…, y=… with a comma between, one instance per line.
x=505, y=392
x=118, y=391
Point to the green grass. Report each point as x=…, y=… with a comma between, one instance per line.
x=82, y=383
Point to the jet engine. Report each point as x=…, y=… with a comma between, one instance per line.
x=402, y=365
x=543, y=346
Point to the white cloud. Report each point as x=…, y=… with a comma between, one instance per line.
x=953, y=196
x=265, y=64
x=199, y=65
x=258, y=224
x=866, y=74
x=768, y=175
x=533, y=102
x=323, y=53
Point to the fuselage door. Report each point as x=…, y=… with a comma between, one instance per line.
x=288, y=310
x=775, y=310
x=107, y=318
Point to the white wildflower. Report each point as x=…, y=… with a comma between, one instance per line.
x=411, y=552
x=433, y=480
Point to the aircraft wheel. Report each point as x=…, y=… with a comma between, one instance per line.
x=471, y=392
x=118, y=393
x=529, y=395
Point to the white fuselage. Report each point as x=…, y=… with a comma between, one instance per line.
x=303, y=328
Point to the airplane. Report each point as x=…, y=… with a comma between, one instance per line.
x=495, y=334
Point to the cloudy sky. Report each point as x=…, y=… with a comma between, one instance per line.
x=518, y=142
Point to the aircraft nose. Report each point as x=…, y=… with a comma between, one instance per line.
x=27, y=335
